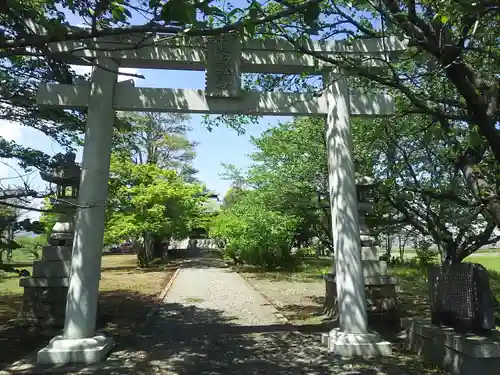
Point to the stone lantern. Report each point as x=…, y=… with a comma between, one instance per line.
x=380, y=289
x=46, y=290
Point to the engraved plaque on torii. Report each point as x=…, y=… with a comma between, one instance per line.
x=223, y=76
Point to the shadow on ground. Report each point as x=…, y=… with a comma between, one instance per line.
x=186, y=340
x=120, y=314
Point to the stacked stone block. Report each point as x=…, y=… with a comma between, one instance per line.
x=45, y=292
x=380, y=288
x=44, y=299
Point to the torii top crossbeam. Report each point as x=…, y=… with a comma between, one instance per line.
x=224, y=58
x=256, y=55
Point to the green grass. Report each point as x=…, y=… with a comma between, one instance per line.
x=22, y=256
x=412, y=253
x=309, y=270
x=9, y=283
x=491, y=263
x=412, y=281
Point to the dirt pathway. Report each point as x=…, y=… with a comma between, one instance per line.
x=212, y=322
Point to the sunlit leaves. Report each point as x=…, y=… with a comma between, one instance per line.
x=147, y=199
x=181, y=11
x=254, y=233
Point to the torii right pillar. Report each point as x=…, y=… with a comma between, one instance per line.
x=352, y=337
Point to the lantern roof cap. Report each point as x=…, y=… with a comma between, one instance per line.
x=63, y=170
x=364, y=180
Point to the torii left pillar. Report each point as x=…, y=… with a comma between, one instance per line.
x=79, y=342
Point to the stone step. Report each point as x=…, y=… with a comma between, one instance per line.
x=42, y=282
x=60, y=253
x=51, y=268
x=370, y=253
x=374, y=268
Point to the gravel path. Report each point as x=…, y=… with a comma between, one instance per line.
x=220, y=290
x=213, y=322
x=296, y=300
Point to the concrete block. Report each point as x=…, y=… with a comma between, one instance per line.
x=380, y=280
x=356, y=345
x=43, y=305
x=370, y=253
x=61, y=253
x=61, y=351
x=380, y=292
x=380, y=298
x=30, y=282
x=51, y=269
x=368, y=240
x=374, y=268
x=459, y=354
x=61, y=239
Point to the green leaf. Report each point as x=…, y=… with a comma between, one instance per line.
x=179, y=11
x=311, y=14
x=249, y=28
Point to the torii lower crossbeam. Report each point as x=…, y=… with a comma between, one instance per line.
x=129, y=98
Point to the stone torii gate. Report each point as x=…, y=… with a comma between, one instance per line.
x=223, y=58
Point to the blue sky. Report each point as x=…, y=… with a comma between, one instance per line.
x=221, y=145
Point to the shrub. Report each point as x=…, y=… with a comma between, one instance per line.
x=31, y=246
x=426, y=256
x=255, y=235
x=307, y=252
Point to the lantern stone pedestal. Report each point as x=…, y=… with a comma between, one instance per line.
x=380, y=289
x=45, y=292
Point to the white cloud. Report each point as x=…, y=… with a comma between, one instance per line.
x=10, y=130
x=82, y=69
x=10, y=171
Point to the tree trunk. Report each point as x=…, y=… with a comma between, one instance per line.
x=388, y=250
x=450, y=254
x=402, y=245
x=156, y=247
x=144, y=251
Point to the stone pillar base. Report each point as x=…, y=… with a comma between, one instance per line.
x=44, y=301
x=45, y=292
x=356, y=344
x=61, y=351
